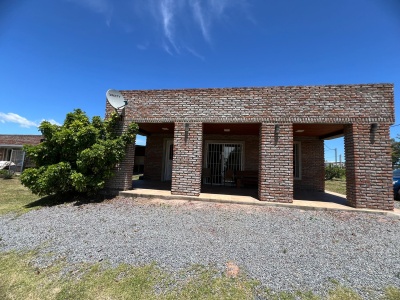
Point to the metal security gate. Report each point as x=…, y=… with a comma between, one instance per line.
x=222, y=161
x=17, y=160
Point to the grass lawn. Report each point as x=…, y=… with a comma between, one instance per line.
x=20, y=279
x=336, y=185
x=136, y=176
x=14, y=196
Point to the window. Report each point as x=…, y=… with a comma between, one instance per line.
x=296, y=160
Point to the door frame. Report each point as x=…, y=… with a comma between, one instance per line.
x=166, y=165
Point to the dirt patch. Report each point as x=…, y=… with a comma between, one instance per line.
x=232, y=270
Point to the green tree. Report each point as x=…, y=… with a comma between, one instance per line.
x=395, y=153
x=78, y=156
x=332, y=171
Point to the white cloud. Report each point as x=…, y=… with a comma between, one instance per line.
x=143, y=46
x=52, y=121
x=21, y=121
x=103, y=7
x=178, y=21
x=14, y=118
x=198, y=14
x=194, y=53
x=200, y=18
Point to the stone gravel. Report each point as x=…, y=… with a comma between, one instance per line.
x=283, y=248
x=397, y=204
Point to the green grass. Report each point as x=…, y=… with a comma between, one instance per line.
x=20, y=279
x=336, y=185
x=14, y=196
x=136, y=176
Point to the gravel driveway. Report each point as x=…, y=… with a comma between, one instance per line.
x=286, y=249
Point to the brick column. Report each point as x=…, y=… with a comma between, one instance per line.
x=275, y=181
x=186, y=164
x=122, y=179
x=368, y=166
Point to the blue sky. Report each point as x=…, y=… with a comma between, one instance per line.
x=57, y=55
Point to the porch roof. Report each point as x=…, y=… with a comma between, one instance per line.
x=322, y=131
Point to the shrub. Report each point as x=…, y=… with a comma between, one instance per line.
x=6, y=174
x=78, y=156
x=332, y=171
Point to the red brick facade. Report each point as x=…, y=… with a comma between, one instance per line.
x=19, y=139
x=122, y=179
x=276, y=163
x=187, y=160
x=368, y=166
x=268, y=120
x=312, y=165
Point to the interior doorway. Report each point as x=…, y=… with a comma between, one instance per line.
x=222, y=158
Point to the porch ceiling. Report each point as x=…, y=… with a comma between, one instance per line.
x=324, y=131
x=149, y=128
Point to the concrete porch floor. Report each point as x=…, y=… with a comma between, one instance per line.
x=306, y=200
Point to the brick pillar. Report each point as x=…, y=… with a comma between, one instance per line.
x=275, y=181
x=186, y=164
x=122, y=179
x=368, y=166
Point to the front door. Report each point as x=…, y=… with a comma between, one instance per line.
x=168, y=156
x=221, y=157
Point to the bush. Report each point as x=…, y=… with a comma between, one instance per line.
x=6, y=174
x=332, y=171
x=78, y=156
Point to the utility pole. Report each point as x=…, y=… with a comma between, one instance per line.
x=335, y=156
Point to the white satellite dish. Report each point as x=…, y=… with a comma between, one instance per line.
x=115, y=99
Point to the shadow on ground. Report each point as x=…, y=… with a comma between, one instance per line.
x=77, y=199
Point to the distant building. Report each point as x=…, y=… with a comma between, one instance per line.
x=10, y=144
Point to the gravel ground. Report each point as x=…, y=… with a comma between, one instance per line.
x=397, y=204
x=286, y=249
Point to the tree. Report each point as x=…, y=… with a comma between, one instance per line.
x=333, y=171
x=78, y=156
x=395, y=153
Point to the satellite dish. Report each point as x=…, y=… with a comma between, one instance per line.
x=115, y=99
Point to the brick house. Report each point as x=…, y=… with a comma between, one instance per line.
x=10, y=142
x=276, y=133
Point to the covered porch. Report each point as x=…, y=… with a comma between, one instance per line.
x=223, y=149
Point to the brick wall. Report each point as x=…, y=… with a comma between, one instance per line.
x=345, y=104
x=186, y=169
x=312, y=165
x=368, y=166
x=16, y=139
x=276, y=164
x=154, y=156
x=122, y=179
